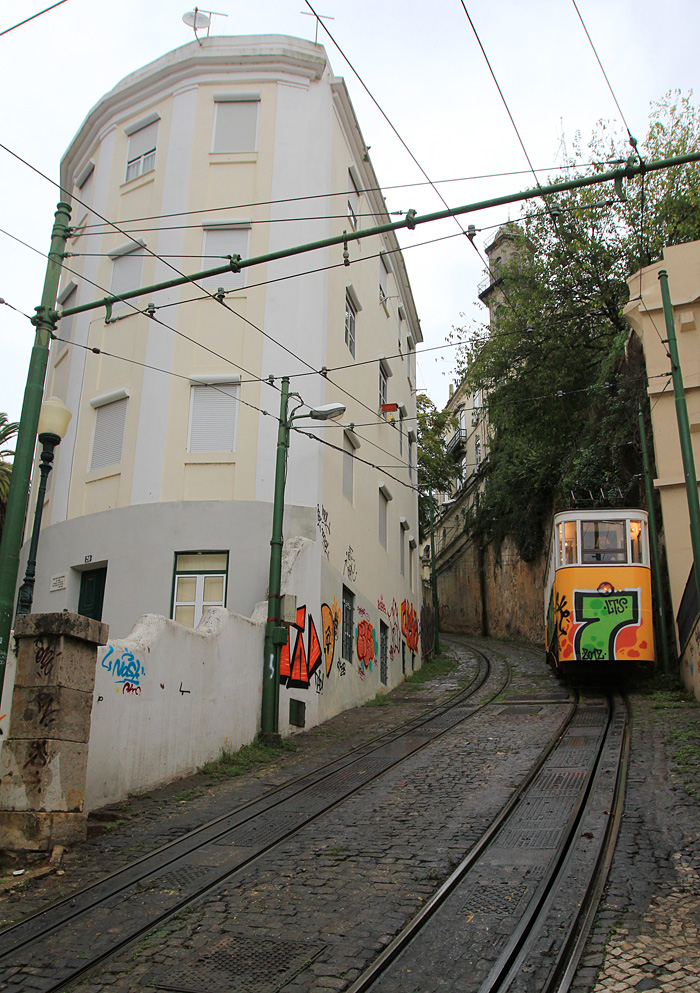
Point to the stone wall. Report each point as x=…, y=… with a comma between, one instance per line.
x=500, y=596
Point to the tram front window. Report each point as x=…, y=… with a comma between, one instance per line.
x=604, y=541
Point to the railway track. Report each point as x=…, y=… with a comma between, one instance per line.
x=515, y=914
x=56, y=947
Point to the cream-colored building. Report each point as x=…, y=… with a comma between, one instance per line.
x=645, y=313
x=161, y=498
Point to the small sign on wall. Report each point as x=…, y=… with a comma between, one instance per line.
x=58, y=583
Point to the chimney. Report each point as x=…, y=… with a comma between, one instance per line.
x=452, y=389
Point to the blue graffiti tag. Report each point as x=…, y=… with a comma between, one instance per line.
x=126, y=668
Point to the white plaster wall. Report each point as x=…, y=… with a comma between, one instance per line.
x=189, y=695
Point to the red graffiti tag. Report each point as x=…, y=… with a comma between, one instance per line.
x=409, y=625
x=305, y=660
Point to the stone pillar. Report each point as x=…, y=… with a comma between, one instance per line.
x=44, y=759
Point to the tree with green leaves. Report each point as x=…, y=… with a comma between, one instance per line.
x=8, y=429
x=560, y=368
x=436, y=467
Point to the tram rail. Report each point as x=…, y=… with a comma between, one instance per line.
x=109, y=915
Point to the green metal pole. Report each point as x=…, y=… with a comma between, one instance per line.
x=691, y=481
x=411, y=220
x=654, y=547
x=275, y=634
x=433, y=580
x=44, y=322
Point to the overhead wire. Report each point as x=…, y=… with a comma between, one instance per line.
x=32, y=18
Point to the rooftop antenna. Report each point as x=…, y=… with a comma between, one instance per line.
x=201, y=19
x=319, y=18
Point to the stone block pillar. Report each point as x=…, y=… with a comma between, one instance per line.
x=44, y=759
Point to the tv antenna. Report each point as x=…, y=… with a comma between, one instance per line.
x=201, y=19
x=319, y=18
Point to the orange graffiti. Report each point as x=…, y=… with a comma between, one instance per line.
x=365, y=643
x=298, y=671
x=329, y=629
x=409, y=625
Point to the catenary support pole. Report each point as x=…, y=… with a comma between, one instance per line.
x=275, y=634
x=45, y=322
x=691, y=481
x=654, y=547
x=433, y=580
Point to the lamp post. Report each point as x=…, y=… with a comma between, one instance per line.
x=53, y=421
x=275, y=633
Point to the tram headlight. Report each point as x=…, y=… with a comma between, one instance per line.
x=606, y=588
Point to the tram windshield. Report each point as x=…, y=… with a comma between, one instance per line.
x=604, y=541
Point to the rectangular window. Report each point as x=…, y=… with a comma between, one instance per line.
x=383, y=505
x=65, y=325
x=383, y=388
x=403, y=658
x=220, y=242
x=200, y=582
x=568, y=544
x=348, y=466
x=353, y=202
x=383, y=279
x=603, y=541
x=402, y=551
x=127, y=271
x=400, y=433
x=348, y=623
x=213, y=418
x=236, y=124
x=411, y=564
x=141, y=153
x=383, y=653
x=350, y=320
x=410, y=460
x=108, y=440
x=636, y=541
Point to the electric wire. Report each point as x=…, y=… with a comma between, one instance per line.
x=32, y=18
x=16, y=309
x=367, y=189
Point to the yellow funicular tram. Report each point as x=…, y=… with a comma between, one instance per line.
x=598, y=590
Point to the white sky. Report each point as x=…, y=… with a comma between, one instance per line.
x=423, y=66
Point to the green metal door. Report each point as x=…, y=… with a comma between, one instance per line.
x=92, y=593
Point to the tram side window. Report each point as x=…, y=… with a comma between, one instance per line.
x=604, y=541
x=636, y=540
x=568, y=550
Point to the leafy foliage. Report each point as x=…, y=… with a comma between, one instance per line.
x=436, y=468
x=8, y=429
x=562, y=372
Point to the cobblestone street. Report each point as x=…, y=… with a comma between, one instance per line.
x=335, y=894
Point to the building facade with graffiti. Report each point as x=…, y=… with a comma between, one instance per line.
x=160, y=502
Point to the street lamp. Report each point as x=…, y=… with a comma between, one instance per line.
x=53, y=422
x=275, y=633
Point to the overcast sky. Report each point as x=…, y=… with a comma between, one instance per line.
x=422, y=64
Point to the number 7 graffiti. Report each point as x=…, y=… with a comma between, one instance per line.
x=601, y=618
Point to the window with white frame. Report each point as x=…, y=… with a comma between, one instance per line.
x=402, y=550
x=213, y=415
x=127, y=272
x=85, y=182
x=236, y=122
x=383, y=387
x=348, y=623
x=383, y=279
x=353, y=201
x=411, y=562
x=67, y=298
x=141, y=152
x=410, y=459
x=220, y=241
x=477, y=452
x=350, y=323
x=108, y=436
x=384, y=498
x=200, y=581
x=348, y=467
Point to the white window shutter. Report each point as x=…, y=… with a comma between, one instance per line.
x=219, y=242
x=127, y=271
x=213, y=417
x=142, y=141
x=110, y=420
x=236, y=126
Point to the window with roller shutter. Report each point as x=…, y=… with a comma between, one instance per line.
x=213, y=417
x=108, y=439
x=141, y=152
x=220, y=242
x=236, y=122
x=127, y=273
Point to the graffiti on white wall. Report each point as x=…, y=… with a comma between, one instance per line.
x=324, y=526
x=126, y=669
x=297, y=667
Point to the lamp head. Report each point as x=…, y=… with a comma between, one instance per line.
x=329, y=411
x=54, y=417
